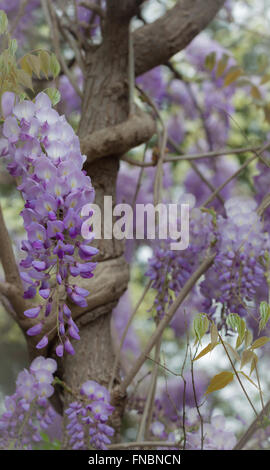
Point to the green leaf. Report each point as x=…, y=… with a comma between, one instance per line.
x=34, y=63
x=13, y=46
x=219, y=381
x=54, y=66
x=3, y=22
x=248, y=338
x=25, y=79
x=237, y=323
x=222, y=64
x=265, y=315
x=210, y=61
x=200, y=325
x=44, y=57
x=25, y=66
x=54, y=95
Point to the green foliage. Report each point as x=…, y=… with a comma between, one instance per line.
x=17, y=75
x=54, y=95
x=200, y=325
x=264, y=315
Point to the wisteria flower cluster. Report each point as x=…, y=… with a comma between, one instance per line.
x=169, y=270
x=87, y=418
x=215, y=436
x=43, y=152
x=239, y=268
x=28, y=411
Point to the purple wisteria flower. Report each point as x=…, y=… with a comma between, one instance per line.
x=239, y=268
x=169, y=270
x=87, y=418
x=28, y=411
x=216, y=437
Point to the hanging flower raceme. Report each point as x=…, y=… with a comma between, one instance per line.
x=43, y=153
x=239, y=268
x=87, y=418
x=170, y=269
x=28, y=410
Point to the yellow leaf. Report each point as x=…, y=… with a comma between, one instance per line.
x=220, y=381
x=214, y=334
x=255, y=92
x=260, y=342
x=234, y=73
x=232, y=350
x=247, y=357
x=265, y=78
x=44, y=62
x=26, y=66
x=205, y=351
x=247, y=377
x=253, y=363
x=221, y=66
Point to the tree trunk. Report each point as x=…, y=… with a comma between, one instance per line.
x=105, y=103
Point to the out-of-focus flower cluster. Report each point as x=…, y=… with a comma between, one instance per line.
x=28, y=411
x=239, y=268
x=170, y=269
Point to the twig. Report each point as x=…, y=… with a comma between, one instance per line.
x=146, y=416
x=18, y=16
x=255, y=425
x=242, y=167
x=131, y=318
x=166, y=320
x=93, y=7
x=52, y=16
x=237, y=375
x=130, y=445
x=196, y=401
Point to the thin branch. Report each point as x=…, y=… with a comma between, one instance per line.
x=18, y=17
x=166, y=320
x=255, y=425
x=147, y=412
x=196, y=401
x=237, y=375
x=93, y=7
x=53, y=23
x=131, y=318
x=130, y=445
x=191, y=157
x=231, y=178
